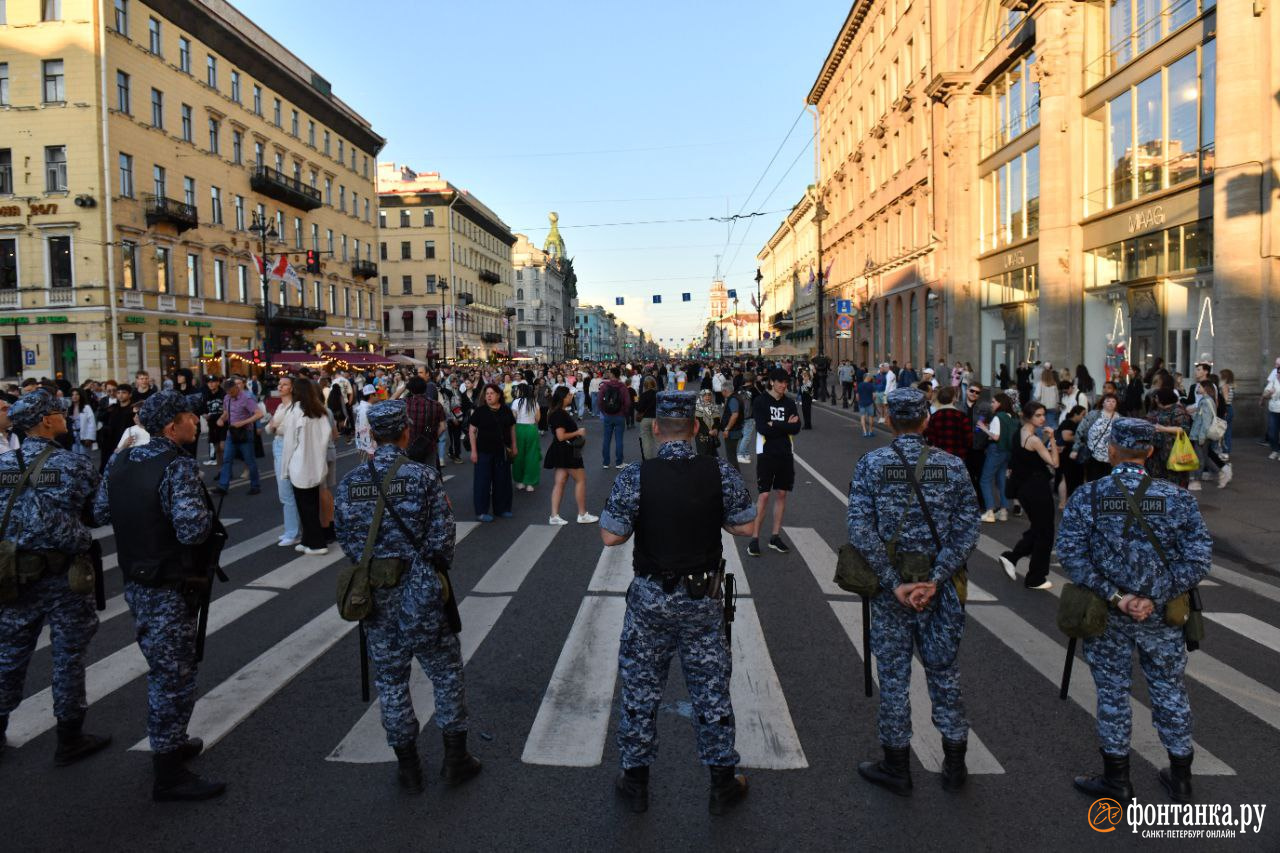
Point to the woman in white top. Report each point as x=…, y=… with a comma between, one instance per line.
x=1046, y=392
x=526, y=468
x=306, y=441
x=284, y=491
x=364, y=438
x=8, y=441
x=85, y=430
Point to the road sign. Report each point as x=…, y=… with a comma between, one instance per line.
x=844, y=306
x=844, y=335
x=29, y=358
x=844, y=322
x=206, y=347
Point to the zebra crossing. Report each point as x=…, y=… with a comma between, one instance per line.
x=576, y=701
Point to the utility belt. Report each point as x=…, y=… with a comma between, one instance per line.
x=1082, y=614
x=20, y=569
x=855, y=574
x=698, y=585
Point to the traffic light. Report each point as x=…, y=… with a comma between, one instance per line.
x=313, y=261
x=257, y=356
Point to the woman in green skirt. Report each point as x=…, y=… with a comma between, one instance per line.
x=526, y=468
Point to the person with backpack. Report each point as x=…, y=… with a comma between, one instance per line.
x=615, y=403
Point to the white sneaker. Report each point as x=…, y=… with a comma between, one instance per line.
x=1045, y=585
x=1224, y=476
x=1274, y=456
x=1009, y=568
x=1225, y=457
x=208, y=462
x=619, y=465
x=315, y=552
x=1193, y=486
x=1002, y=515
x=605, y=466
x=300, y=547
x=989, y=517
x=746, y=460
x=556, y=521
x=588, y=518
x=289, y=543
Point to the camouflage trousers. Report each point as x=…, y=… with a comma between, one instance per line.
x=72, y=623
x=658, y=625
x=1162, y=653
x=895, y=633
x=408, y=621
x=166, y=633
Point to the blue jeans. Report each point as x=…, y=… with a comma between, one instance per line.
x=615, y=427
x=1051, y=418
x=284, y=490
x=580, y=403
x=994, y=469
x=244, y=450
x=1226, y=436
x=491, y=483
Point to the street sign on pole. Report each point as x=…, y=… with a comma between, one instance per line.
x=844, y=322
x=844, y=335
x=844, y=306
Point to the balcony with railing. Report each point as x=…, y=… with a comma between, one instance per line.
x=491, y=337
x=296, y=315
x=782, y=319
x=9, y=299
x=490, y=276
x=364, y=270
x=176, y=213
x=279, y=186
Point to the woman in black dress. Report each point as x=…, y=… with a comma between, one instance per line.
x=564, y=456
x=1035, y=457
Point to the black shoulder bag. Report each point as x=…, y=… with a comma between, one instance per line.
x=438, y=562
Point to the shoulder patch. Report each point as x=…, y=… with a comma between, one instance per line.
x=898, y=475
x=365, y=490
x=1119, y=505
x=46, y=477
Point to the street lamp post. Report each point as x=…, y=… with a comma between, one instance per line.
x=444, y=330
x=759, y=311
x=265, y=230
x=819, y=214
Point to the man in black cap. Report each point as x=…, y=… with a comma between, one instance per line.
x=777, y=421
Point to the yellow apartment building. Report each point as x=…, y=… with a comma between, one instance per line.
x=789, y=270
x=446, y=269
x=139, y=145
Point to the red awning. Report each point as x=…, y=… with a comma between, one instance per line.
x=281, y=358
x=360, y=359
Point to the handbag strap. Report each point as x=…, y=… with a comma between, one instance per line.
x=28, y=474
x=367, y=555
x=914, y=478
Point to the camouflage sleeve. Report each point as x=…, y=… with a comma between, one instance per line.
x=440, y=535
x=862, y=524
x=1073, y=544
x=958, y=543
x=620, y=509
x=183, y=501
x=85, y=479
x=1195, y=558
x=101, y=499
x=739, y=508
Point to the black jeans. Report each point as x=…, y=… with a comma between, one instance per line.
x=806, y=408
x=308, y=501
x=1036, y=498
x=731, y=451
x=846, y=389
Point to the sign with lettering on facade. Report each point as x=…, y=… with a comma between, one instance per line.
x=23, y=321
x=134, y=318
x=39, y=209
x=1026, y=255
x=29, y=357
x=1178, y=209
x=164, y=322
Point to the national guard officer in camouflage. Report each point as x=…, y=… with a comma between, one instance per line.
x=408, y=618
x=676, y=504
x=1105, y=550
x=46, y=524
x=153, y=497
x=926, y=614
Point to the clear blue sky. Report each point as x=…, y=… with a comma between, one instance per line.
x=602, y=111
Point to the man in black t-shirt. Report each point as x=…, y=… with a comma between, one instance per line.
x=214, y=398
x=777, y=420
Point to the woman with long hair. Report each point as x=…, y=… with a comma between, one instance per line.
x=1046, y=392
x=284, y=489
x=526, y=468
x=1035, y=457
x=999, y=429
x=646, y=410
x=306, y=441
x=1070, y=475
x=1205, y=410
x=1084, y=381
x=564, y=456
x=1169, y=418
x=1227, y=392
x=1096, y=432
x=493, y=445
x=82, y=421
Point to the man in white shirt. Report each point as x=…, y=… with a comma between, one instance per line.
x=931, y=377
x=890, y=380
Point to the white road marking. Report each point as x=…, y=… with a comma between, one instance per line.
x=298, y=570
x=1247, y=626
x=514, y=565
x=229, y=555
x=107, y=530
x=613, y=569
x=839, y=495
x=1254, y=585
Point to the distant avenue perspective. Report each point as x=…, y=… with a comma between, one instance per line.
x=337, y=513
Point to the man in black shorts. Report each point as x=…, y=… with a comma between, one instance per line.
x=777, y=420
x=214, y=398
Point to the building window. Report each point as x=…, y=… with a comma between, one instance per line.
x=275, y=113
x=315, y=237
x=382, y=251
x=1011, y=201
x=55, y=86
x=257, y=99
x=326, y=143
x=215, y=198
x=328, y=191
x=211, y=71
x=405, y=253
x=430, y=249
x=239, y=213
x=186, y=123
x=235, y=85
x=258, y=154
x=184, y=54
x=213, y=136
x=431, y=284
x=128, y=264
x=6, y=171
x=1126, y=29
x=342, y=241
x=428, y=218
x=279, y=161
x=311, y=133
x=406, y=284
x=122, y=93
x=189, y=191
x=60, y=274
x=342, y=198
x=521, y=339
x=126, y=175
x=162, y=269
x=220, y=279
x=159, y=182
x=297, y=232
x=333, y=299
x=122, y=17
x=339, y=150
x=55, y=168
x=242, y=282
x=1013, y=104
x=386, y=287
x=193, y=275
x=4, y=84
x=293, y=122
x=237, y=147
x=51, y=10
x=328, y=240
x=404, y=219
x=1178, y=249
x=157, y=109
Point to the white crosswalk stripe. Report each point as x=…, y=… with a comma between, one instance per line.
x=230, y=555
x=1247, y=626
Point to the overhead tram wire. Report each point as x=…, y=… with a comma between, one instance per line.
x=801, y=153
x=735, y=217
x=759, y=180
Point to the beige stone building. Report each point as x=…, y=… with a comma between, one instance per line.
x=1091, y=181
x=788, y=283
x=445, y=265
x=139, y=143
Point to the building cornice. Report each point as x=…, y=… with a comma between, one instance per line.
x=857, y=13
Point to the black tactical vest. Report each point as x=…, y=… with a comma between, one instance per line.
x=681, y=512
x=149, y=550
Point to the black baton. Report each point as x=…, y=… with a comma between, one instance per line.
x=1066, y=668
x=99, y=581
x=729, y=593
x=364, y=664
x=866, y=645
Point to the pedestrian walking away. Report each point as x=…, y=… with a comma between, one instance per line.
x=674, y=603
x=292, y=534
x=913, y=517
x=156, y=503
x=407, y=551
x=304, y=463
x=526, y=468
x=1140, y=547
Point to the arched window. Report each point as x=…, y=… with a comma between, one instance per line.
x=520, y=294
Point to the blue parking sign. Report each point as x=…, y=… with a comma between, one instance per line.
x=29, y=358
x=844, y=306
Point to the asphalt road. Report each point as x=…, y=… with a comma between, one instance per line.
x=308, y=769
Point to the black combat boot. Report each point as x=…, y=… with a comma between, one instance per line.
x=459, y=765
x=954, y=773
x=1114, y=781
x=74, y=744
x=409, y=771
x=893, y=772
x=190, y=748
x=632, y=785
x=175, y=783
x=1177, y=777
x=727, y=789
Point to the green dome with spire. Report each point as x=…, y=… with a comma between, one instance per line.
x=554, y=245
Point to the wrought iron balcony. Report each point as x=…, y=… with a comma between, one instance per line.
x=176, y=213
x=490, y=276
x=465, y=298
x=782, y=318
x=491, y=337
x=295, y=315
x=281, y=187
x=364, y=269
